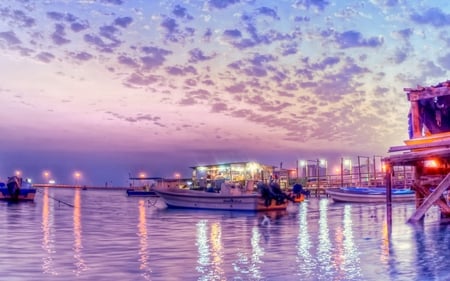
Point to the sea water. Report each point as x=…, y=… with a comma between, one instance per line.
x=73, y=234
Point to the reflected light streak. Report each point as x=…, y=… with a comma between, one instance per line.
x=203, y=250
x=385, y=244
x=257, y=253
x=324, y=250
x=217, y=262
x=143, y=241
x=305, y=261
x=79, y=262
x=351, y=258
x=48, y=235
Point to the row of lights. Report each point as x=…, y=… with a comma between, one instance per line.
x=46, y=175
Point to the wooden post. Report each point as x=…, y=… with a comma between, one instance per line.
x=388, y=184
x=415, y=117
x=430, y=200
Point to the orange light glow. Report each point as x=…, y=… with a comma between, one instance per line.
x=431, y=163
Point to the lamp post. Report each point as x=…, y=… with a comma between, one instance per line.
x=177, y=176
x=344, y=163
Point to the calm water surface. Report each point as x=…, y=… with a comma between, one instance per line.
x=72, y=234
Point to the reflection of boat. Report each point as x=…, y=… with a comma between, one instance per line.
x=249, y=201
x=369, y=194
x=16, y=190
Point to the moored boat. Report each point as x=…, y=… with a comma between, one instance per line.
x=226, y=199
x=145, y=186
x=369, y=195
x=15, y=190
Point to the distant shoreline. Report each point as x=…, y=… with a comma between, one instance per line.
x=80, y=186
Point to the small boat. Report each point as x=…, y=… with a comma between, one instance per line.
x=145, y=186
x=226, y=199
x=369, y=194
x=16, y=190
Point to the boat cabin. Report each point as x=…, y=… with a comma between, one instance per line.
x=428, y=147
x=243, y=173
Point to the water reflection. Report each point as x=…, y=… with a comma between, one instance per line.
x=350, y=261
x=80, y=265
x=143, y=241
x=217, y=259
x=304, y=258
x=48, y=237
x=257, y=253
x=210, y=259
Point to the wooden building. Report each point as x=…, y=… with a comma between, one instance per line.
x=427, y=149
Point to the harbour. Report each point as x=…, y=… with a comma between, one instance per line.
x=57, y=237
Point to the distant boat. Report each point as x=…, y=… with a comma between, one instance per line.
x=225, y=200
x=16, y=190
x=146, y=187
x=369, y=194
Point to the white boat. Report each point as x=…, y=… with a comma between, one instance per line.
x=248, y=201
x=16, y=190
x=369, y=195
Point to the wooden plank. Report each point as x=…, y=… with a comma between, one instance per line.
x=427, y=93
x=409, y=158
x=430, y=144
x=430, y=200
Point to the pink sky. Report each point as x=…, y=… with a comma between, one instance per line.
x=114, y=87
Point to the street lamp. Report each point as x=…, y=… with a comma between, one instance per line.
x=77, y=176
x=177, y=176
x=46, y=175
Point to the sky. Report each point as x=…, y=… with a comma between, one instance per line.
x=112, y=88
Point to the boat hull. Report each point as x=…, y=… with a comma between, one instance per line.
x=182, y=198
x=25, y=194
x=369, y=195
x=141, y=193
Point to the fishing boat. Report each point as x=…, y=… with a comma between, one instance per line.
x=369, y=194
x=228, y=198
x=144, y=187
x=16, y=190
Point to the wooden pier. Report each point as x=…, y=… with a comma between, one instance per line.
x=427, y=150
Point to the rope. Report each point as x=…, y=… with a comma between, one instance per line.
x=57, y=200
x=152, y=204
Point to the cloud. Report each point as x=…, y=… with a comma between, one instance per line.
x=58, y=35
x=433, y=16
x=153, y=57
x=45, y=57
x=123, y=21
x=353, y=39
x=268, y=12
x=81, y=56
x=10, y=38
x=221, y=4
x=307, y=4
x=18, y=18
x=181, y=12
x=196, y=55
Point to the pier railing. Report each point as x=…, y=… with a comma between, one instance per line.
x=403, y=178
